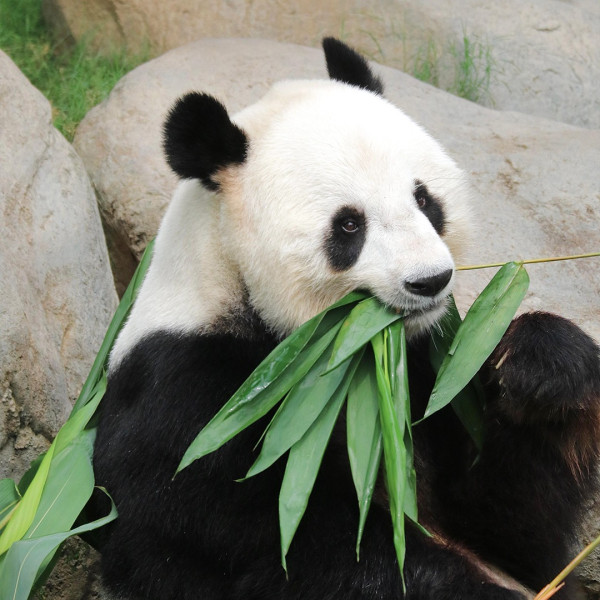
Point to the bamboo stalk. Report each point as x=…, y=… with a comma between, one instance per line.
x=529, y=261
x=557, y=582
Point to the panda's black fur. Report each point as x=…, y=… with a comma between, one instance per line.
x=204, y=536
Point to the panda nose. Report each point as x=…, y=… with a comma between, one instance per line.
x=429, y=286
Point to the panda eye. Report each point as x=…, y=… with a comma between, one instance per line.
x=421, y=195
x=430, y=206
x=350, y=226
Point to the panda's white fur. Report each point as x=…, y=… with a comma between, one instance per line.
x=313, y=146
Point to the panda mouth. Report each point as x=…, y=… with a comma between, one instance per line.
x=426, y=312
x=416, y=311
x=422, y=316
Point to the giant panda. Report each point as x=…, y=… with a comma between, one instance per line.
x=320, y=188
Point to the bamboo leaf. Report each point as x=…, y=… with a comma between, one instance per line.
x=479, y=333
x=227, y=423
x=469, y=403
x=397, y=359
x=9, y=498
x=68, y=488
x=443, y=333
x=30, y=473
x=394, y=452
x=304, y=403
x=364, y=438
x=287, y=351
x=24, y=513
x=53, y=494
x=115, y=326
x=303, y=465
x=469, y=409
x=364, y=321
x=24, y=562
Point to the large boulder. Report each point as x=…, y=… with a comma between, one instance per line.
x=542, y=56
x=57, y=292
x=535, y=181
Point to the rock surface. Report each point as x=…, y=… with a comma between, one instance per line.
x=535, y=182
x=57, y=293
x=543, y=54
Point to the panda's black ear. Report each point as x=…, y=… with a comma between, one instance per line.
x=348, y=66
x=199, y=138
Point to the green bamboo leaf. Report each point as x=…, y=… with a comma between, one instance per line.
x=24, y=514
x=30, y=474
x=304, y=462
x=483, y=327
x=364, y=321
x=79, y=419
x=24, y=562
x=397, y=359
x=115, y=326
x=68, y=488
x=227, y=423
x=364, y=438
x=443, y=334
x=469, y=409
x=393, y=427
x=304, y=403
x=9, y=498
x=469, y=403
x=286, y=352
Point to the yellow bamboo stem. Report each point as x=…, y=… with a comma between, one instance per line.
x=529, y=261
x=548, y=592
x=553, y=586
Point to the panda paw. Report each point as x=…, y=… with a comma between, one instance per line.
x=546, y=368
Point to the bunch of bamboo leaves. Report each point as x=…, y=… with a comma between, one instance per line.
x=44, y=509
x=355, y=352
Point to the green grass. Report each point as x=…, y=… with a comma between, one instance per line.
x=474, y=65
x=465, y=67
x=426, y=64
x=471, y=61
x=73, y=77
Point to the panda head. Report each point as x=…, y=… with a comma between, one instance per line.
x=320, y=188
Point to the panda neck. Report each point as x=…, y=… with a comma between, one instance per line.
x=192, y=286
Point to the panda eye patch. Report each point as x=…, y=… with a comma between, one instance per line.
x=346, y=237
x=430, y=206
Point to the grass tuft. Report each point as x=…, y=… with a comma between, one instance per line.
x=426, y=64
x=75, y=78
x=472, y=63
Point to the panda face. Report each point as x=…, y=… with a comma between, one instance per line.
x=340, y=191
x=318, y=189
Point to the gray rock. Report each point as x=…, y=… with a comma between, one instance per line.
x=535, y=181
x=57, y=292
x=543, y=54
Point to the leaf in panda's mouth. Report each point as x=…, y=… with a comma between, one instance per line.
x=356, y=350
